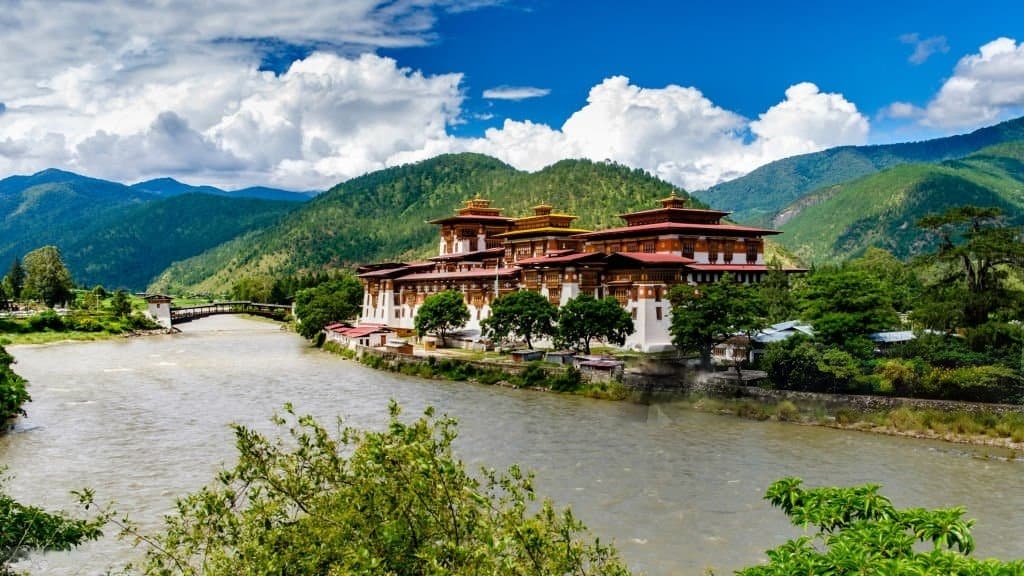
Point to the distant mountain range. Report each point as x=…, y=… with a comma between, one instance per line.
x=841, y=221
x=90, y=219
x=757, y=197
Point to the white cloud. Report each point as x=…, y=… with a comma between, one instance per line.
x=985, y=87
x=900, y=110
x=923, y=49
x=677, y=133
x=135, y=90
x=515, y=93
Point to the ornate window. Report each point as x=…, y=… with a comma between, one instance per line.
x=648, y=246
x=688, y=247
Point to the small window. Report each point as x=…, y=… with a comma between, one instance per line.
x=649, y=246
x=632, y=312
x=657, y=312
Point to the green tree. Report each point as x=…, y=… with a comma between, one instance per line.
x=705, y=316
x=336, y=300
x=16, y=276
x=845, y=305
x=13, y=391
x=46, y=276
x=364, y=502
x=441, y=314
x=896, y=277
x=120, y=304
x=976, y=248
x=522, y=313
x=776, y=295
x=585, y=318
x=859, y=531
x=25, y=529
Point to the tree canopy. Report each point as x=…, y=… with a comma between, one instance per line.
x=15, y=279
x=522, y=313
x=976, y=248
x=363, y=502
x=336, y=300
x=442, y=313
x=859, y=531
x=845, y=305
x=13, y=390
x=705, y=316
x=585, y=318
x=46, y=276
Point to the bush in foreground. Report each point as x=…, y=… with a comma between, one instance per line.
x=359, y=502
x=860, y=532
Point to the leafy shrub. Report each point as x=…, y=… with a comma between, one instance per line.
x=786, y=411
x=533, y=376
x=13, y=390
x=568, y=381
x=975, y=384
x=846, y=416
x=47, y=320
x=363, y=502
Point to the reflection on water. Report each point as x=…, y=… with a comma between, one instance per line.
x=144, y=420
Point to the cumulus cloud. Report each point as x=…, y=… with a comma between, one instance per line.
x=900, y=110
x=134, y=90
x=985, y=87
x=679, y=134
x=515, y=93
x=924, y=48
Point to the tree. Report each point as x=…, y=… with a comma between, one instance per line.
x=365, y=502
x=584, y=318
x=845, y=305
x=120, y=304
x=442, y=313
x=859, y=531
x=975, y=249
x=24, y=529
x=705, y=316
x=16, y=276
x=332, y=301
x=13, y=392
x=46, y=276
x=776, y=295
x=522, y=313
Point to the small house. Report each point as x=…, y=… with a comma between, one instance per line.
x=560, y=356
x=369, y=335
x=527, y=355
x=398, y=346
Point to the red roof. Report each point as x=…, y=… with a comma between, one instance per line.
x=463, y=275
x=403, y=269
x=655, y=258
x=560, y=258
x=676, y=227
x=729, y=267
x=476, y=254
x=472, y=218
x=364, y=330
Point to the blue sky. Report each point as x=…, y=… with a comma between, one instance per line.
x=318, y=91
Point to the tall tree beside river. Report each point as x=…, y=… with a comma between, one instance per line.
x=333, y=301
x=46, y=276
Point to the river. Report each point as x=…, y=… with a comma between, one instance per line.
x=143, y=420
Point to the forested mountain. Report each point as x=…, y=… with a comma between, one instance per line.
x=122, y=235
x=758, y=196
x=47, y=207
x=171, y=187
x=839, y=222
x=130, y=247
x=384, y=215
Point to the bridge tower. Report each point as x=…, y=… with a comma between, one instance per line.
x=159, y=309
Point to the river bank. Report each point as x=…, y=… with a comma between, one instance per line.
x=999, y=426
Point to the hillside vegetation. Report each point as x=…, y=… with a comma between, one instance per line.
x=384, y=215
x=131, y=247
x=881, y=210
x=756, y=197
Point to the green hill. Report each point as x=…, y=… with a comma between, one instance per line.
x=841, y=221
x=130, y=247
x=756, y=197
x=383, y=215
